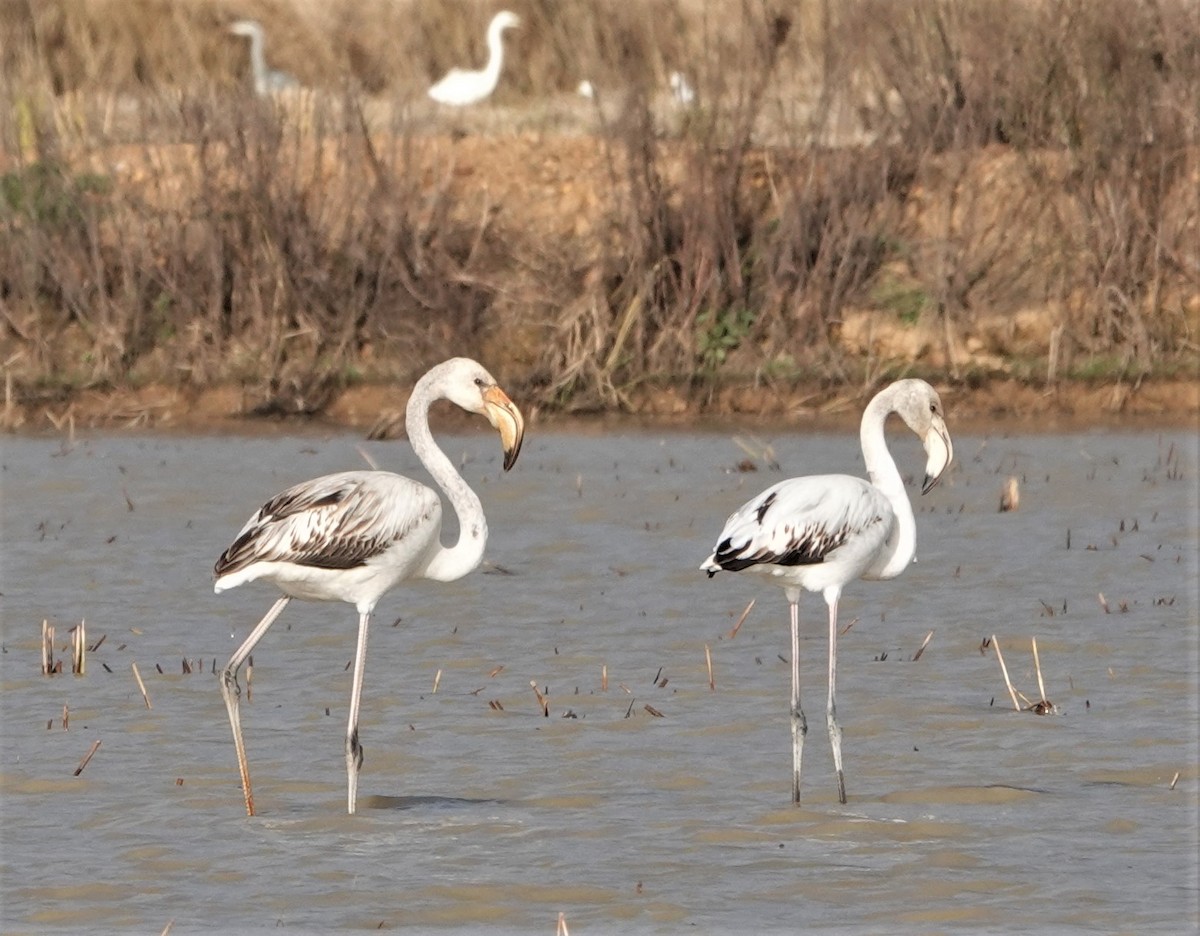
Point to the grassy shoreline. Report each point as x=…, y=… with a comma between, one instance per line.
x=886, y=189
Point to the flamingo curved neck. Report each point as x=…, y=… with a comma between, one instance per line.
x=901, y=546
x=447, y=563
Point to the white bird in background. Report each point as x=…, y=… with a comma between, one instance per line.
x=461, y=87
x=354, y=535
x=586, y=89
x=822, y=531
x=681, y=89
x=266, y=80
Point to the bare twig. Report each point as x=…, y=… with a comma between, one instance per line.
x=47, y=648
x=1010, y=495
x=708, y=660
x=87, y=757
x=1004, y=669
x=924, y=644
x=79, y=648
x=366, y=456
x=141, y=685
x=741, y=620
x=542, y=701
x=1037, y=665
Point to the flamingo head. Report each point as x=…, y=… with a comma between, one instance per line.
x=468, y=384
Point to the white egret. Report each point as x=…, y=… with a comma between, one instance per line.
x=681, y=89
x=266, y=80
x=461, y=87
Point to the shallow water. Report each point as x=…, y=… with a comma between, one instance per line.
x=478, y=813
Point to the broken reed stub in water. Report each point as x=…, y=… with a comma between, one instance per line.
x=1010, y=496
x=87, y=757
x=712, y=685
x=141, y=685
x=47, y=648
x=741, y=620
x=1004, y=670
x=921, y=649
x=542, y=701
x=79, y=648
x=1042, y=706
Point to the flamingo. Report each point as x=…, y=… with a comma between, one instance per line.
x=461, y=87
x=353, y=535
x=266, y=80
x=822, y=531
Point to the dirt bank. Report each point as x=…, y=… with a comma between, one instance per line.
x=996, y=405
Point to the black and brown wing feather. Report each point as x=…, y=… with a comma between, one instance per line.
x=339, y=521
x=802, y=521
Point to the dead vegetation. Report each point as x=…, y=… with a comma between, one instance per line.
x=960, y=190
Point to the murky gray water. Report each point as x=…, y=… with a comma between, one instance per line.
x=477, y=813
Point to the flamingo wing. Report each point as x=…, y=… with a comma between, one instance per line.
x=802, y=521
x=338, y=521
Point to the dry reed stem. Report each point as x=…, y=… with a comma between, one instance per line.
x=87, y=757
x=924, y=644
x=79, y=648
x=741, y=620
x=1037, y=666
x=604, y=678
x=167, y=929
x=47, y=648
x=1004, y=669
x=1010, y=496
x=66, y=718
x=366, y=456
x=562, y=925
x=141, y=685
x=437, y=679
x=542, y=701
x=1174, y=780
x=708, y=659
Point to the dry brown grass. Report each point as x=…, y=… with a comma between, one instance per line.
x=864, y=188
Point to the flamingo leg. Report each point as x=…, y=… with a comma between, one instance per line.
x=835, y=730
x=799, y=725
x=230, y=692
x=354, y=750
